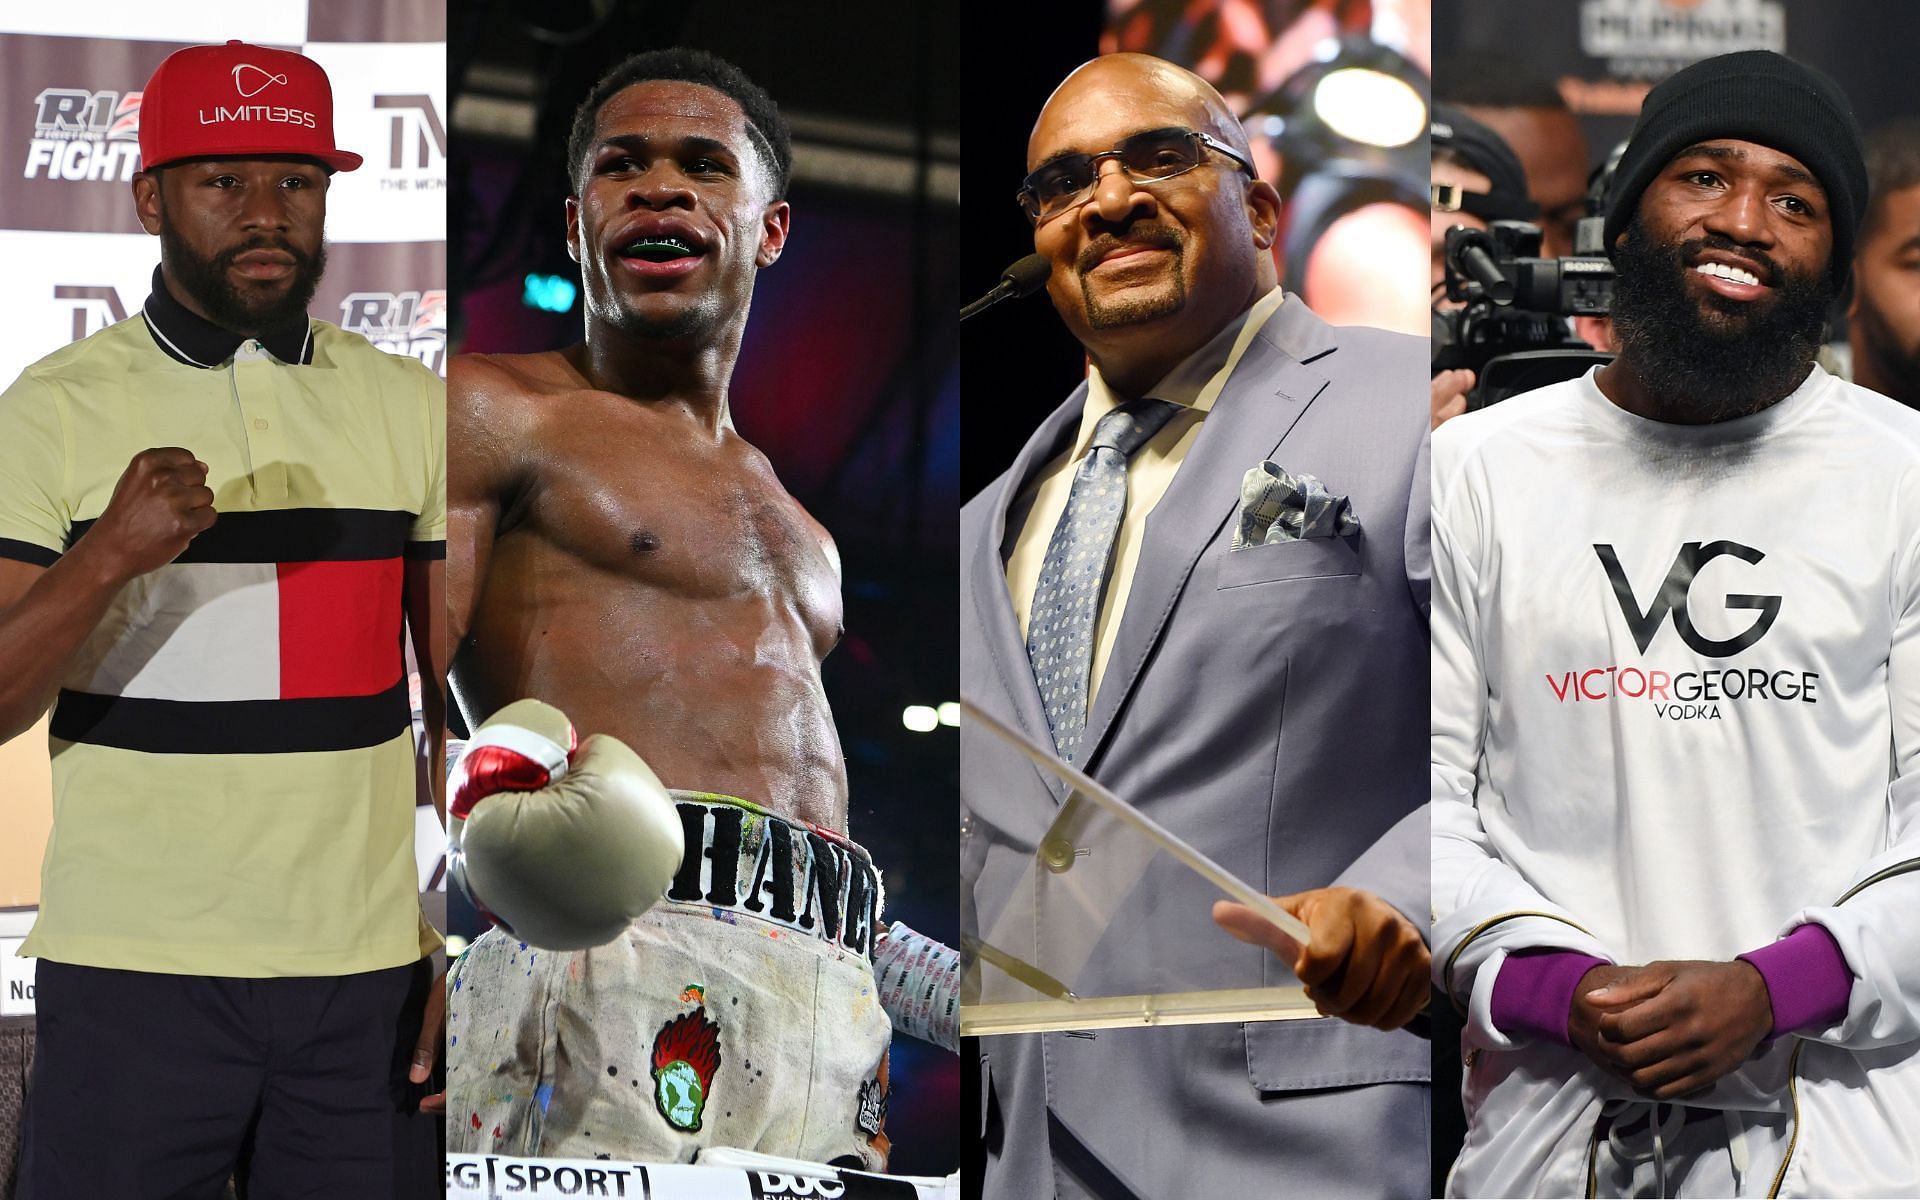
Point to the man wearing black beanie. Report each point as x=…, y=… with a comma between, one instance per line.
x=1717, y=313
x=1676, y=699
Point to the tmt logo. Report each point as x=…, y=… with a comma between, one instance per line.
x=94, y=307
x=80, y=135
x=409, y=323
x=1673, y=594
x=416, y=140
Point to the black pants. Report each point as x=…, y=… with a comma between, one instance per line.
x=164, y=1086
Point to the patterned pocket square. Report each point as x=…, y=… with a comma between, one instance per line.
x=1277, y=506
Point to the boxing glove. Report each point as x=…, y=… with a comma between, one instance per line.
x=560, y=844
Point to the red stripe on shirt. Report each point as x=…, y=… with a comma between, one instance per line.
x=339, y=627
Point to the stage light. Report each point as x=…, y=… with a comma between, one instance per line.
x=549, y=293
x=1370, y=107
x=1356, y=97
x=920, y=718
x=1349, y=131
x=950, y=713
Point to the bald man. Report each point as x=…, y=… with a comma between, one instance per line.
x=1260, y=693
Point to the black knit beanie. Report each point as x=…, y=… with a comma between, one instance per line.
x=1751, y=96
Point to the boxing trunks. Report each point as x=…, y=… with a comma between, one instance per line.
x=739, y=1011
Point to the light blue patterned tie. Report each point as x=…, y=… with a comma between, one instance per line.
x=1073, y=576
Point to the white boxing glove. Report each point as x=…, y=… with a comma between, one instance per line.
x=560, y=846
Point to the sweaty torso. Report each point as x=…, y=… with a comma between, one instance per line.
x=652, y=579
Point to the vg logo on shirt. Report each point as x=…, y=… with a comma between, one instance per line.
x=1673, y=593
x=1686, y=695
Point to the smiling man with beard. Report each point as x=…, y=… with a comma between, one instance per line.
x=213, y=519
x=1676, y=690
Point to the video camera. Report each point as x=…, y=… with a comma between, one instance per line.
x=1511, y=328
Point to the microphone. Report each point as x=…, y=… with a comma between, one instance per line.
x=1023, y=278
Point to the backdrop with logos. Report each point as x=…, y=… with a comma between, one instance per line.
x=1604, y=55
x=77, y=260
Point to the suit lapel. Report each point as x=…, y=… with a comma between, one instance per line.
x=1006, y=649
x=1270, y=389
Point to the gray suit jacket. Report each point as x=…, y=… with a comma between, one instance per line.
x=1270, y=707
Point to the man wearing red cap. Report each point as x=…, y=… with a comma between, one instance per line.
x=214, y=518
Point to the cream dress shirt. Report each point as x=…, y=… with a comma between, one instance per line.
x=1194, y=385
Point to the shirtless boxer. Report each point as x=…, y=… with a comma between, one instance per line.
x=619, y=551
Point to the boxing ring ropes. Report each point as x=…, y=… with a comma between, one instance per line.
x=1060, y=1009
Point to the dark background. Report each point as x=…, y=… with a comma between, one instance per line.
x=1018, y=358
x=848, y=376
x=1866, y=45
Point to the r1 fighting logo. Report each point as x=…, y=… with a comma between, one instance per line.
x=1672, y=596
x=81, y=135
x=409, y=323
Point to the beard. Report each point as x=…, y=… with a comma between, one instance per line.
x=1716, y=358
x=1134, y=308
x=206, y=280
x=1897, y=362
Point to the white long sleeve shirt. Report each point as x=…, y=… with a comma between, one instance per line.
x=1676, y=679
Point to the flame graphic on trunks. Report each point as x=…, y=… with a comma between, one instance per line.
x=686, y=1054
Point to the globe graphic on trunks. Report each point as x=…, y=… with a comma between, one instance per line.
x=678, y=1092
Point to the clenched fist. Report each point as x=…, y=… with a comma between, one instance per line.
x=1366, y=963
x=161, y=503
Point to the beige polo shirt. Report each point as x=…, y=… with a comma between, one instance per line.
x=1194, y=385
x=233, y=770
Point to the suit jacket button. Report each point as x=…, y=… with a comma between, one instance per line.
x=1057, y=853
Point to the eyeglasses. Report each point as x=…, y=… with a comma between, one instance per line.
x=1067, y=183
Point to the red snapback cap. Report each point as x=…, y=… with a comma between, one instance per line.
x=238, y=101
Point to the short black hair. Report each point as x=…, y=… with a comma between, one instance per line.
x=1893, y=165
x=765, y=125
